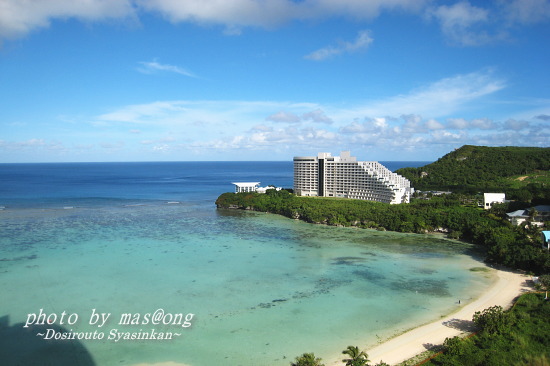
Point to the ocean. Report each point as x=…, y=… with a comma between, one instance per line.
x=132, y=264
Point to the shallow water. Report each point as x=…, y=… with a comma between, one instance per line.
x=263, y=289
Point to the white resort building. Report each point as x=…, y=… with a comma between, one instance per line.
x=246, y=186
x=489, y=199
x=344, y=176
x=252, y=187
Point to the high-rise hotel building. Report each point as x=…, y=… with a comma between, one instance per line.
x=344, y=176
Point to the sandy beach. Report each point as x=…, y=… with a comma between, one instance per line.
x=506, y=288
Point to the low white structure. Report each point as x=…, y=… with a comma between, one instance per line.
x=536, y=216
x=252, y=187
x=491, y=198
x=264, y=189
x=518, y=217
x=246, y=186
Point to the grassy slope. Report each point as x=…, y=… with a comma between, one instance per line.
x=481, y=167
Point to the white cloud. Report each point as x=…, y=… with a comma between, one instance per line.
x=476, y=123
x=463, y=23
x=18, y=17
x=282, y=116
x=317, y=115
x=385, y=125
x=362, y=41
x=432, y=124
x=457, y=123
x=161, y=148
x=142, y=113
x=440, y=98
x=543, y=117
x=154, y=66
x=513, y=124
x=256, y=125
x=35, y=146
x=261, y=128
x=233, y=13
x=483, y=123
x=527, y=11
x=447, y=137
x=118, y=145
x=269, y=13
x=32, y=143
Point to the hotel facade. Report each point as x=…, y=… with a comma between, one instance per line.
x=343, y=176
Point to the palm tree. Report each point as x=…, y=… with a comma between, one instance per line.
x=533, y=213
x=357, y=358
x=307, y=359
x=544, y=282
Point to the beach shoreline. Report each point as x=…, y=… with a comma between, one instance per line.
x=507, y=287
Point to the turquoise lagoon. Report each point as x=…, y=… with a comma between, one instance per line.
x=262, y=289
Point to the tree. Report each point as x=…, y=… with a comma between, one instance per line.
x=357, y=358
x=544, y=282
x=307, y=359
x=533, y=213
x=493, y=320
x=452, y=346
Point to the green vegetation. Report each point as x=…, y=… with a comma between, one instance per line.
x=505, y=244
x=494, y=320
x=356, y=357
x=544, y=284
x=479, y=269
x=307, y=359
x=520, y=336
x=520, y=172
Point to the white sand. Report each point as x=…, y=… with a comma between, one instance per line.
x=405, y=346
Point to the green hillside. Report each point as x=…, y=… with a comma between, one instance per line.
x=514, y=170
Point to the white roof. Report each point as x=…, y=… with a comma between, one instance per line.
x=518, y=213
x=494, y=195
x=246, y=184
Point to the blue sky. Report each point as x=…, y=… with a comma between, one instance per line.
x=167, y=80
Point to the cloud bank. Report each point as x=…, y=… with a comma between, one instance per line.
x=462, y=22
x=269, y=127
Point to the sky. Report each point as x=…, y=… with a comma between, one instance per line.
x=218, y=80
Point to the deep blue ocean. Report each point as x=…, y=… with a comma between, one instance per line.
x=96, y=184
x=258, y=289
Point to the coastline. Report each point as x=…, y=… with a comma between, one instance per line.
x=508, y=286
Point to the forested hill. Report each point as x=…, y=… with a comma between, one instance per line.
x=476, y=168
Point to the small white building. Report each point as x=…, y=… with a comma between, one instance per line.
x=491, y=198
x=252, y=187
x=518, y=217
x=246, y=186
x=534, y=216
